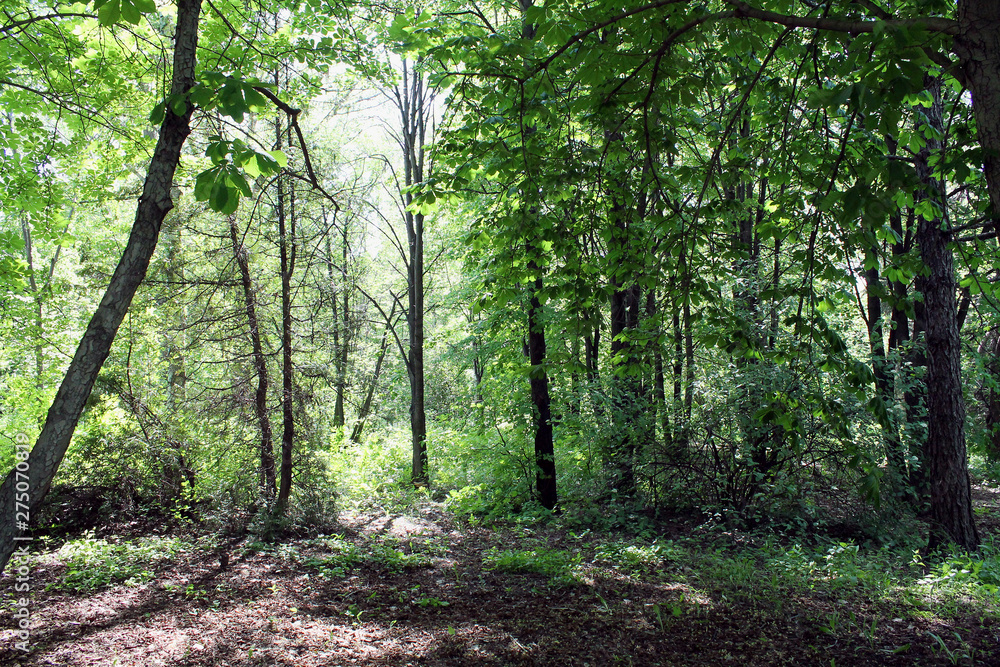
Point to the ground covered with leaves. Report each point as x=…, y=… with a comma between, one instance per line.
x=420, y=587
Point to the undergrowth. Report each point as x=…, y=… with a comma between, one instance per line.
x=92, y=564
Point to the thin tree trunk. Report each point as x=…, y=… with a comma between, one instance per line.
x=267, y=471
x=176, y=470
x=341, y=326
x=883, y=380
x=989, y=348
x=621, y=452
x=286, y=250
x=415, y=315
x=71, y=397
x=412, y=101
x=659, y=378
x=545, y=462
x=903, y=346
x=688, y=358
x=366, y=407
x=39, y=311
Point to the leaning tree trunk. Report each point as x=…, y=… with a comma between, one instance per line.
x=154, y=203
x=267, y=471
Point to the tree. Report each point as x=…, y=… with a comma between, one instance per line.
x=155, y=202
x=576, y=47
x=242, y=257
x=413, y=101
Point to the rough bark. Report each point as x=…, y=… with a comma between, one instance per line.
x=978, y=48
x=154, y=203
x=944, y=451
x=267, y=471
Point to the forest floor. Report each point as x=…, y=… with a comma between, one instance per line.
x=421, y=588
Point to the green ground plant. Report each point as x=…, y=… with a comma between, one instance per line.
x=559, y=566
x=93, y=564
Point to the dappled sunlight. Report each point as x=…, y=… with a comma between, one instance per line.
x=450, y=595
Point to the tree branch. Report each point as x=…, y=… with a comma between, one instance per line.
x=852, y=27
x=293, y=118
x=34, y=19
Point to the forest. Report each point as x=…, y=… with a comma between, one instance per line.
x=482, y=332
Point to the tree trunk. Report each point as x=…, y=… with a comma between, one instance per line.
x=978, y=47
x=883, y=380
x=989, y=348
x=286, y=250
x=415, y=317
x=659, y=377
x=366, y=407
x=944, y=451
x=904, y=346
x=39, y=333
x=154, y=203
x=176, y=470
x=625, y=384
x=267, y=472
x=341, y=324
x=545, y=462
x=413, y=101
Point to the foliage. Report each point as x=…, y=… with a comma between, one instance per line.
x=338, y=556
x=717, y=219
x=637, y=559
x=559, y=566
x=93, y=564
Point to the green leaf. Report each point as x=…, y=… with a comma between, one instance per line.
x=279, y=157
x=158, y=113
x=236, y=179
x=130, y=12
x=255, y=101
x=204, y=183
x=178, y=105
x=219, y=199
x=251, y=167
x=110, y=12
